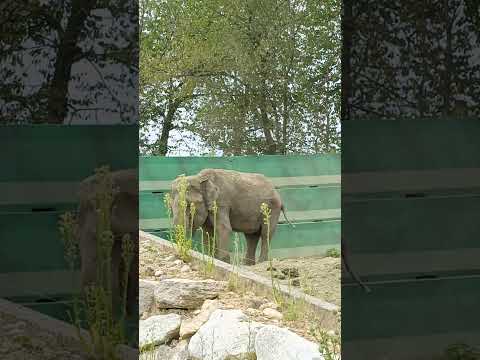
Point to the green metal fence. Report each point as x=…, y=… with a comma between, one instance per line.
x=41, y=169
x=308, y=185
x=410, y=210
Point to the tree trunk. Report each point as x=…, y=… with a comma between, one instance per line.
x=267, y=131
x=67, y=54
x=167, y=127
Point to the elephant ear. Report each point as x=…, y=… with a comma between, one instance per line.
x=210, y=191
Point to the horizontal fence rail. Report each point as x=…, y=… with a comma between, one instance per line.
x=309, y=187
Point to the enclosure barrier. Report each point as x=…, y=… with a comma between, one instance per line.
x=400, y=220
x=41, y=169
x=309, y=186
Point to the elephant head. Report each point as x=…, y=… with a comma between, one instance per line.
x=188, y=192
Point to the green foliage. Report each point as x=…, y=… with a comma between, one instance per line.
x=183, y=234
x=329, y=343
x=276, y=293
x=462, y=352
x=245, y=77
x=233, y=279
x=333, y=252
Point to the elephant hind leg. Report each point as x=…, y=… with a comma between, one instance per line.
x=252, y=242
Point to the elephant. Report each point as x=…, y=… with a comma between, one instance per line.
x=238, y=197
x=124, y=220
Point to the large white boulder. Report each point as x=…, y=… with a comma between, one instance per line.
x=275, y=343
x=185, y=293
x=159, y=329
x=226, y=333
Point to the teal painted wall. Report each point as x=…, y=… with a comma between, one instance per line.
x=309, y=186
x=427, y=224
x=40, y=155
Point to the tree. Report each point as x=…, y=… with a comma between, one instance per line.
x=49, y=58
x=407, y=67
x=256, y=77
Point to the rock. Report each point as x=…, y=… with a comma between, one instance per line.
x=158, y=273
x=185, y=293
x=270, y=305
x=275, y=343
x=185, y=268
x=159, y=329
x=180, y=352
x=149, y=271
x=252, y=312
x=145, y=295
x=227, y=333
x=164, y=352
x=170, y=258
x=161, y=352
x=178, y=262
x=255, y=302
x=291, y=272
x=272, y=314
x=190, y=327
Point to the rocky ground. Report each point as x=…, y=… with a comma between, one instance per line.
x=186, y=314
x=318, y=276
x=23, y=340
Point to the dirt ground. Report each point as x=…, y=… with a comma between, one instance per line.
x=318, y=276
x=156, y=264
x=23, y=340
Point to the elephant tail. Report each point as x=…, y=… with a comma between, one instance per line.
x=285, y=215
x=350, y=270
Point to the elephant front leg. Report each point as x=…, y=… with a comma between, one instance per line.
x=222, y=250
x=88, y=249
x=224, y=230
x=208, y=245
x=252, y=242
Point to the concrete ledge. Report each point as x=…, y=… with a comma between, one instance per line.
x=261, y=285
x=57, y=327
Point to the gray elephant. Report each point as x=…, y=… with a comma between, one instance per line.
x=124, y=220
x=238, y=197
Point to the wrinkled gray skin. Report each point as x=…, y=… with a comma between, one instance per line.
x=238, y=197
x=124, y=220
